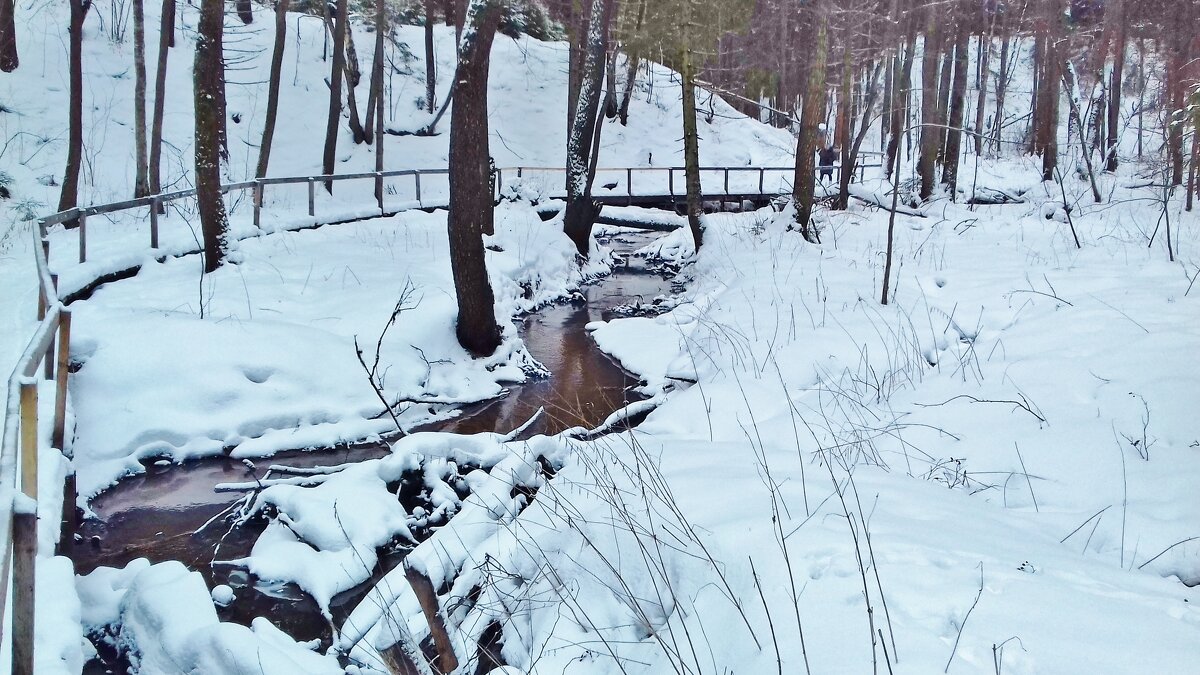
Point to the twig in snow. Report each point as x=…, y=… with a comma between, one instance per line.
x=963, y=625
x=1028, y=482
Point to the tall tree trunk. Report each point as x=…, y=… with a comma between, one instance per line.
x=805, y=179
x=8, y=37
x=899, y=102
x=207, y=84
x=264, y=150
x=69, y=197
x=985, y=61
x=1001, y=92
x=845, y=122
x=958, y=104
x=931, y=132
x=166, y=30
x=691, y=151
x=335, y=94
x=377, y=90
x=353, y=77
x=471, y=209
x=430, y=60
x=581, y=211
x=141, y=182
x=631, y=68
x=1048, y=89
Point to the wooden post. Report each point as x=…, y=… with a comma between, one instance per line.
x=24, y=543
x=629, y=184
x=423, y=589
x=379, y=190
x=47, y=362
x=82, y=235
x=417, y=183
x=154, y=222
x=29, y=437
x=58, y=435
x=760, y=182
x=312, y=197
x=520, y=172
x=671, y=181
x=257, y=193
x=726, y=182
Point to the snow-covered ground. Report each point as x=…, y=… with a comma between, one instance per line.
x=992, y=473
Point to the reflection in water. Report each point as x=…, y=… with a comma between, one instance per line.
x=154, y=515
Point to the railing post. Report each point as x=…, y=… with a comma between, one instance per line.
x=29, y=432
x=417, y=184
x=154, y=222
x=379, y=190
x=727, y=181
x=24, y=543
x=761, y=171
x=312, y=197
x=671, y=180
x=47, y=362
x=629, y=184
x=520, y=172
x=257, y=193
x=82, y=235
x=58, y=435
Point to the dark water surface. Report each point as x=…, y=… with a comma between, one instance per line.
x=156, y=515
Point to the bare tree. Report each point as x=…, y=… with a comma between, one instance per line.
x=581, y=210
x=264, y=149
x=8, y=37
x=931, y=130
x=166, y=31
x=335, y=94
x=69, y=197
x=471, y=210
x=207, y=82
x=141, y=184
x=430, y=60
x=812, y=112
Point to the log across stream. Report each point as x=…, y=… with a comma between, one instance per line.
x=165, y=513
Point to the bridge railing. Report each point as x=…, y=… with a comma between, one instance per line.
x=42, y=368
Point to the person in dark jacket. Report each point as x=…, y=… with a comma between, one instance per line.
x=827, y=157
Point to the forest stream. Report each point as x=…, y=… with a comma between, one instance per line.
x=157, y=514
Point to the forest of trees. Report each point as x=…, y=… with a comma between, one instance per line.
x=930, y=77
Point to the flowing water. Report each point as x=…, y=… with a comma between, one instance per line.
x=156, y=515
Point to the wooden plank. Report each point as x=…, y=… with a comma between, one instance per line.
x=23, y=583
x=82, y=236
x=29, y=438
x=423, y=589
x=58, y=435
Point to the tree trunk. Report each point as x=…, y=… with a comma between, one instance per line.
x=430, y=60
x=8, y=36
x=141, y=181
x=207, y=83
x=1001, y=93
x=166, y=29
x=804, y=181
x=581, y=211
x=899, y=102
x=264, y=150
x=353, y=77
x=377, y=90
x=1049, y=82
x=985, y=60
x=335, y=95
x=691, y=151
x=845, y=122
x=958, y=104
x=471, y=209
x=69, y=197
x=931, y=132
